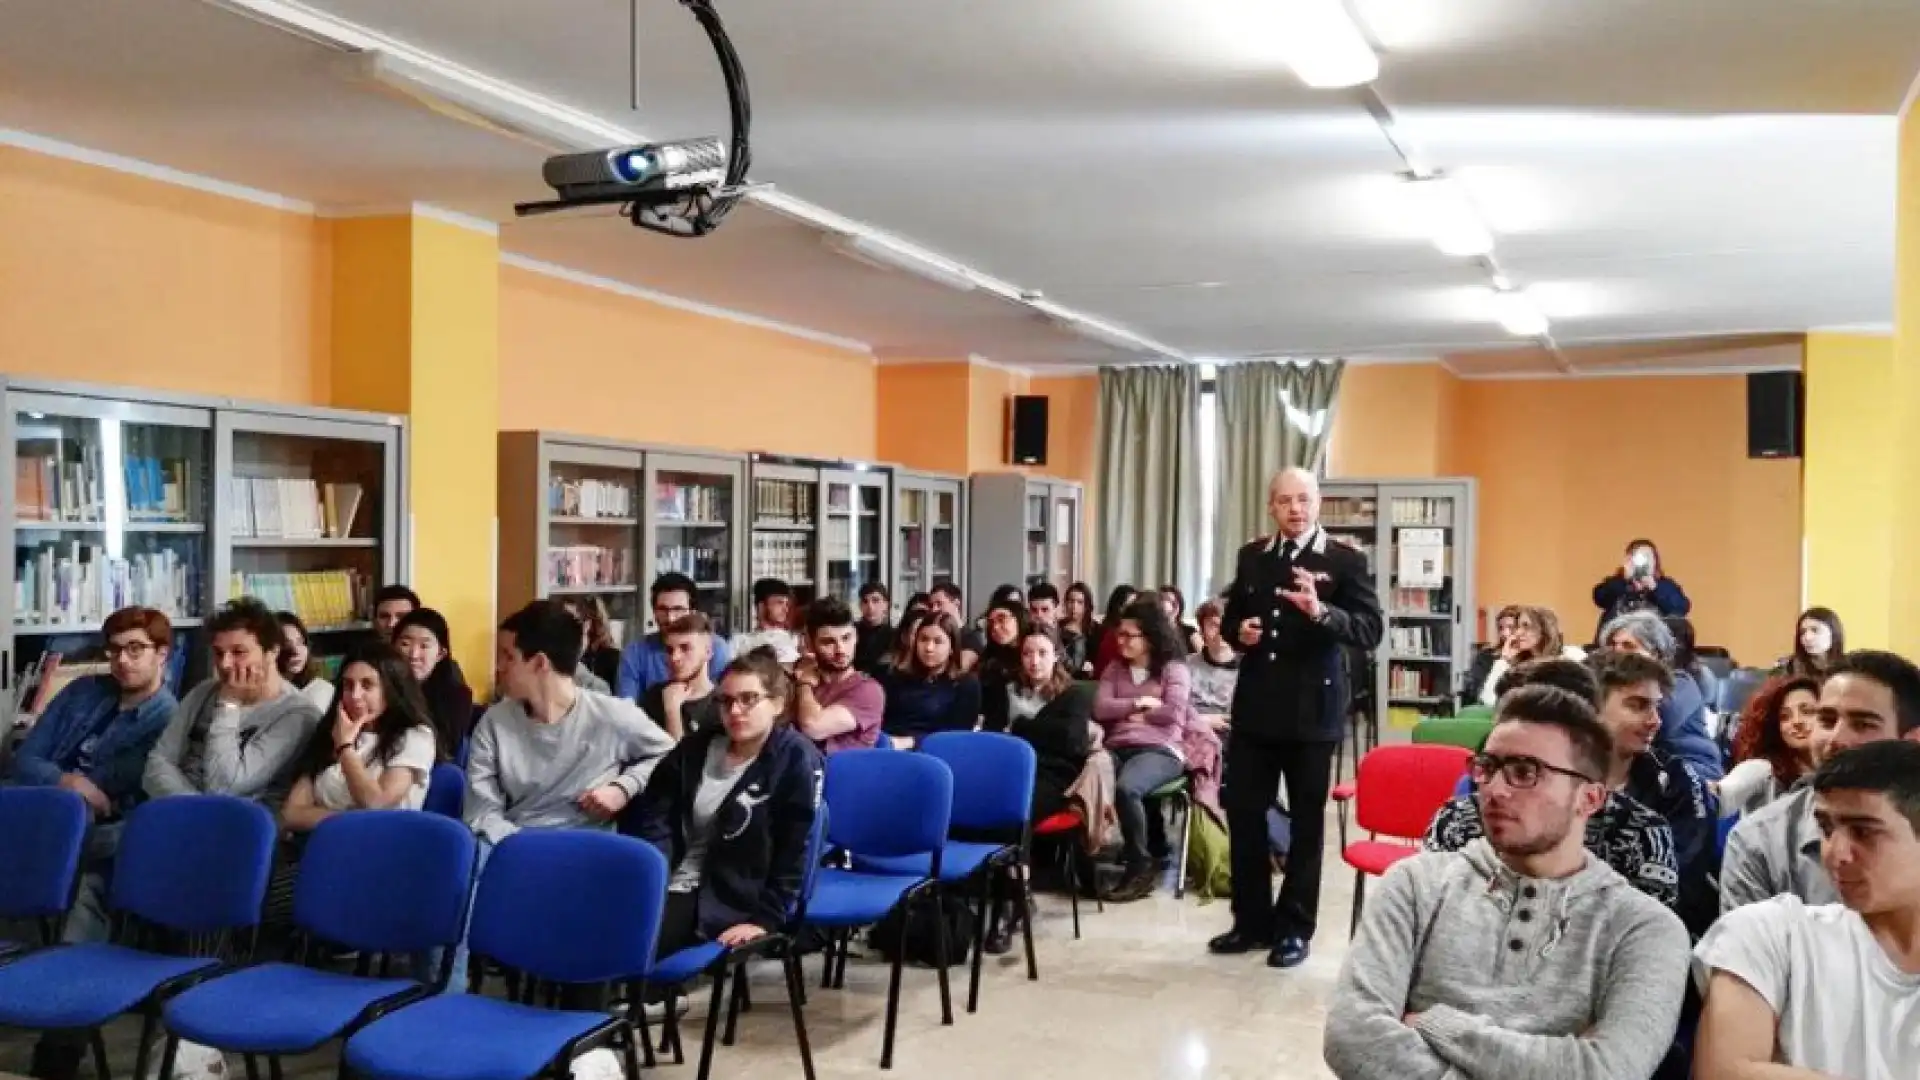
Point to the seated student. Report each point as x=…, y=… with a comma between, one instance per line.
x=929, y=692
x=298, y=665
x=1005, y=622
x=946, y=599
x=643, y=663
x=1045, y=706
x=1079, y=629
x=1174, y=603
x=1870, y=696
x=423, y=639
x=904, y=637
x=1107, y=649
x=1631, y=686
x=731, y=807
x=1480, y=668
x=1215, y=668
x=1635, y=841
x=584, y=676
x=773, y=623
x=1801, y=991
x=1773, y=746
x=551, y=755
x=242, y=731
x=375, y=750
x=836, y=705
x=875, y=627
x=1144, y=705
x=1522, y=956
x=1683, y=713
x=683, y=703
x=391, y=604
x=1535, y=636
x=602, y=656
x=1819, y=641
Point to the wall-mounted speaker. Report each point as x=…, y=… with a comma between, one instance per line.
x=1026, y=430
x=1776, y=414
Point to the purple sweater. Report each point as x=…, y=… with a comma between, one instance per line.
x=1164, y=726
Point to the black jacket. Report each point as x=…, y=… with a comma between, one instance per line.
x=872, y=644
x=757, y=854
x=1060, y=734
x=1293, y=684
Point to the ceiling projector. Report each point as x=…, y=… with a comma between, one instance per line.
x=683, y=188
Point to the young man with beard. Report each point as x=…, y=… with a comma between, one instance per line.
x=1802, y=992
x=1523, y=955
x=684, y=703
x=875, y=628
x=773, y=618
x=836, y=705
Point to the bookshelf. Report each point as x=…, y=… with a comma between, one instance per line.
x=855, y=516
x=119, y=497
x=930, y=540
x=1024, y=529
x=1418, y=536
x=583, y=516
x=820, y=526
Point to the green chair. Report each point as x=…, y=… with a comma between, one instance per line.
x=1475, y=712
x=1467, y=732
x=1177, y=793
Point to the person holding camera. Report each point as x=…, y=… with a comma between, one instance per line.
x=1639, y=583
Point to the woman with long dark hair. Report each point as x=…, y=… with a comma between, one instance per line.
x=302, y=670
x=930, y=692
x=1079, y=630
x=1144, y=705
x=1641, y=582
x=424, y=642
x=1174, y=603
x=1819, y=641
x=999, y=663
x=375, y=750
x=601, y=654
x=1106, y=650
x=1044, y=705
x=1773, y=746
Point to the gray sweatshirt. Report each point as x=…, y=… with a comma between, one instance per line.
x=1509, y=978
x=527, y=775
x=247, y=751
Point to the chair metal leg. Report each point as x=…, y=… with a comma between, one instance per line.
x=736, y=1003
x=1073, y=885
x=629, y=1057
x=97, y=1041
x=941, y=951
x=1026, y=919
x=170, y=1051
x=253, y=1066
x=840, y=967
x=273, y=1067
x=148, y=1022
x=1359, y=898
x=1185, y=805
x=826, y=960
x=893, y=1001
x=637, y=1019
x=980, y=939
x=714, y=1010
x=796, y=997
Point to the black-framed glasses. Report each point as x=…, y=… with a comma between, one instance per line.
x=1519, y=770
x=132, y=650
x=746, y=702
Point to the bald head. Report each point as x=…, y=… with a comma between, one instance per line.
x=1293, y=499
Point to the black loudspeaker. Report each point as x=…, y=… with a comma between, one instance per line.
x=1776, y=416
x=1026, y=430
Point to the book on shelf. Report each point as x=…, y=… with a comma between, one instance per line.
x=1418, y=639
x=1411, y=682
x=789, y=558
x=1348, y=512
x=1422, y=601
x=271, y=508
x=701, y=562
x=75, y=583
x=674, y=501
x=588, y=498
x=576, y=566
x=1422, y=511
x=783, y=502
x=162, y=490
x=41, y=683
x=60, y=489
x=320, y=597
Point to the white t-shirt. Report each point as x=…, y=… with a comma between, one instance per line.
x=1844, y=1009
x=416, y=752
x=320, y=692
x=785, y=643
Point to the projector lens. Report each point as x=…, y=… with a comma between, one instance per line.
x=634, y=166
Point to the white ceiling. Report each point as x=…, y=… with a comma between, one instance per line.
x=1653, y=170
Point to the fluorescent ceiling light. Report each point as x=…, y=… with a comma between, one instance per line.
x=1516, y=313
x=889, y=254
x=474, y=99
x=1322, y=44
x=1449, y=217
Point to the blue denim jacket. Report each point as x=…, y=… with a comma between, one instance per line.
x=119, y=758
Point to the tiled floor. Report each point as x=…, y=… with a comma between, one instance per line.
x=1137, y=996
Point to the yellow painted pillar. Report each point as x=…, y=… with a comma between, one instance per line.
x=1847, y=479
x=1904, y=494
x=416, y=330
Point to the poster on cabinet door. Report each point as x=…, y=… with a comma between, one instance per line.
x=1421, y=558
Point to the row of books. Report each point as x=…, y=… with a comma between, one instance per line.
x=1418, y=639
x=783, y=502
x=690, y=502
x=293, y=509
x=579, y=565
x=789, y=558
x=701, y=562
x=1422, y=601
x=1347, y=512
x=60, y=487
x=75, y=583
x=588, y=498
x=320, y=597
x=1431, y=512
x=1416, y=682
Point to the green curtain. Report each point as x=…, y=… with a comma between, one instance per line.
x=1148, y=479
x=1270, y=415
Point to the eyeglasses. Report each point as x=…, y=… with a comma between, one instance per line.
x=668, y=614
x=132, y=650
x=1127, y=635
x=1520, y=771
x=746, y=702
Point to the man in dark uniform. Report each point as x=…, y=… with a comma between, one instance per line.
x=1298, y=598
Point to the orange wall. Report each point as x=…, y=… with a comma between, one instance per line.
x=111, y=278
x=924, y=415
x=1392, y=420
x=587, y=361
x=988, y=390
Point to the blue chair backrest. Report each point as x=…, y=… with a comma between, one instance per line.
x=992, y=777
x=386, y=881
x=43, y=830
x=816, y=854
x=571, y=905
x=197, y=864
x=446, y=791
x=887, y=804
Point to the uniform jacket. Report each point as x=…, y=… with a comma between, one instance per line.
x=1292, y=684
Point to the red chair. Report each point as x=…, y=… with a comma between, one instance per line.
x=1396, y=794
x=1067, y=827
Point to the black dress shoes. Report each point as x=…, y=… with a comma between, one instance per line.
x=1235, y=942
x=1289, y=952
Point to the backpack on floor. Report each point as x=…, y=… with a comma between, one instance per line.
x=920, y=943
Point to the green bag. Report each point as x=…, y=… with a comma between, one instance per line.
x=1209, y=870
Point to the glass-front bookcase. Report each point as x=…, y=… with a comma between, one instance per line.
x=929, y=532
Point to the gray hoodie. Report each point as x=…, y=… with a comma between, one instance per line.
x=247, y=751
x=1507, y=978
